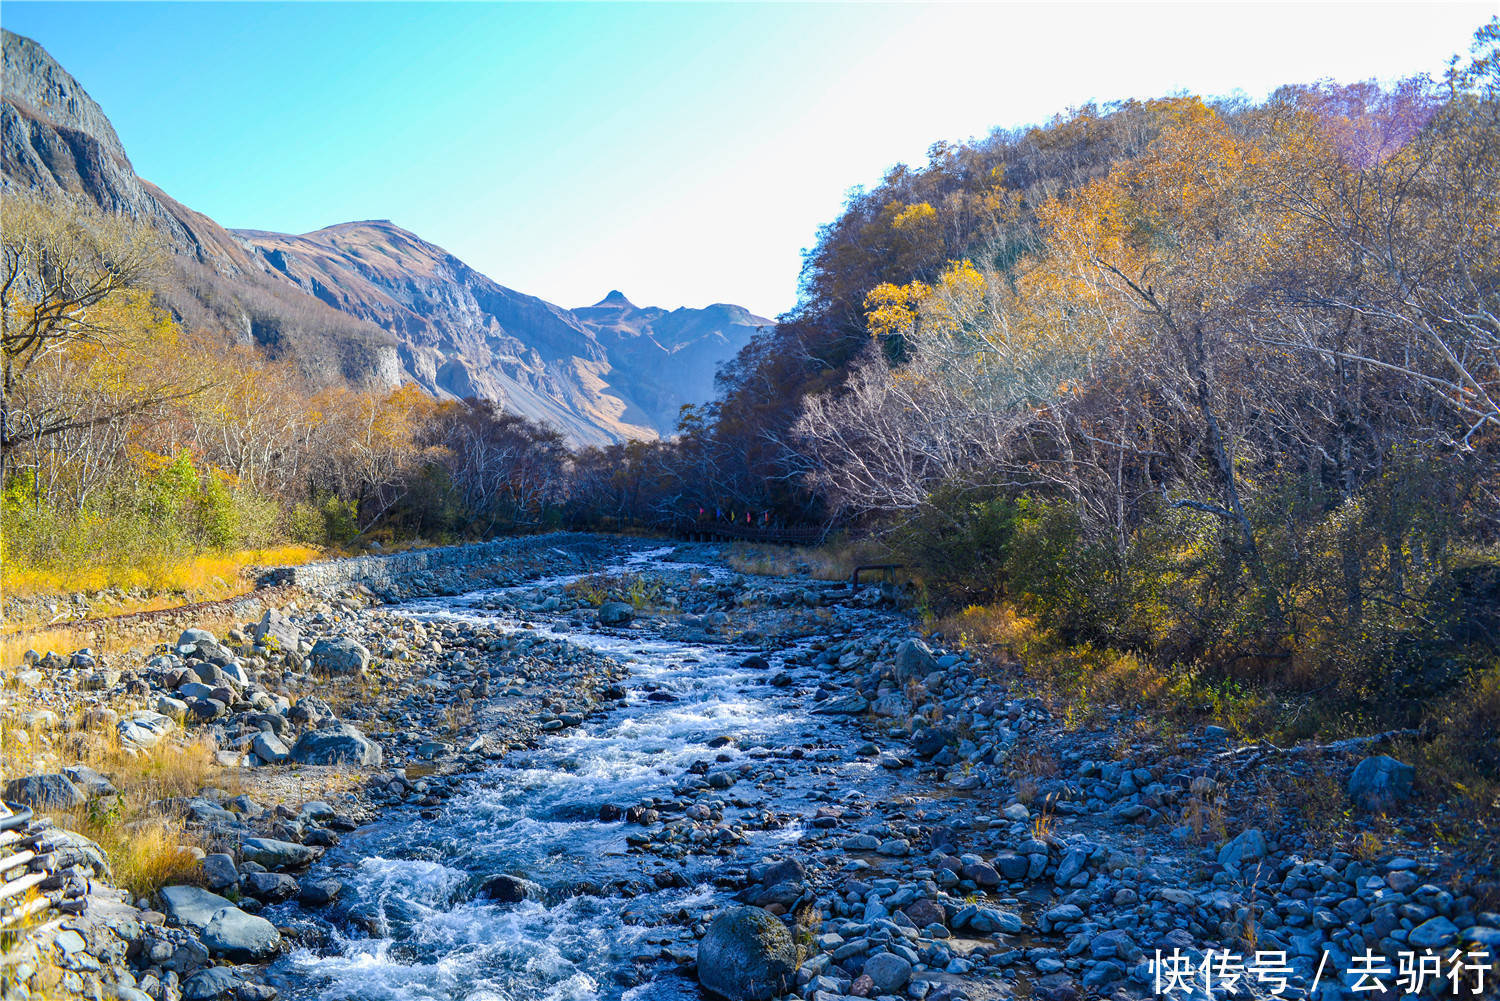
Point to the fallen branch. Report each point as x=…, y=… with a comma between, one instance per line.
x=1265, y=747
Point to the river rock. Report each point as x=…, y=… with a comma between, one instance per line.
x=191, y=906
x=1380, y=782
x=193, y=637
x=914, y=659
x=269, y=748
x=746, y=955
x=508, y=889
x=241, y=937
x=271, y=887
x=219, y=871
x=1247, y=846
x=91, y=782
x=144, y=728
x=205, y=985
x=279, y=629
x=888, y=972
x=49, y=791
x=319, y=892
x=275, y=854
x=929, y=741
x=336, y=745
x=1435, y=933
x=340, y=655
x=991, y=920
x=847, y=705
x=615, y=613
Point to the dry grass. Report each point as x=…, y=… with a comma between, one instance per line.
x=103, y=638
x=144, y=854
x=146, y=845
x=997, y=629
x=1083, y=684
x=199, y=578
x=1028, y=767
x=147, y=848
x=637, y=591
x=1204, y=815
x=832, y=561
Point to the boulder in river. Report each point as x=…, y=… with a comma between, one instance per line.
x=508, y=889
x=615, y=613
x=844, y=705
x=277, y=855
x=241, y=937
x=746, y=955
x=208, y=984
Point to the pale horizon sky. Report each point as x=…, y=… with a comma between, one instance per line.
x=683, y=154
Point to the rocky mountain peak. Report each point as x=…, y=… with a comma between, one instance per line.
x=36, y=84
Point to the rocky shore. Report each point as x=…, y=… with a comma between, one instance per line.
x=916, y=826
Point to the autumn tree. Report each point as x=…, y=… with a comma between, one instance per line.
x=67, y=273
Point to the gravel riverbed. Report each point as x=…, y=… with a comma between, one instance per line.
x=604, y=768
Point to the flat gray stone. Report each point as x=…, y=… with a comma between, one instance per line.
x=340, y=744
x=278, y=855
x=241, y=937
x=191, y=906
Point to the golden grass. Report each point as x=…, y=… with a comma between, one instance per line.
x=147, y=848
x=144, y=854
x=102, y=638
x=198, y=578
x=1081, y=683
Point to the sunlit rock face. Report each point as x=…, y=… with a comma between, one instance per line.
x=369, y=304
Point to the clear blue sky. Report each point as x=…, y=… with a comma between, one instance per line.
x=684, y=154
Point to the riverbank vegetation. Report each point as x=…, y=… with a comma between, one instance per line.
x=1188, y=402
x=1180, y=403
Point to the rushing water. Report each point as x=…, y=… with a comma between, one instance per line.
x=535, y=815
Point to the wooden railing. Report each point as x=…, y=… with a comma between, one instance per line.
x=24, y=875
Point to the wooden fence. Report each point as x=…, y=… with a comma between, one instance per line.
x=24, y=874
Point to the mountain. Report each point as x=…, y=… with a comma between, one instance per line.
x=693, y=343
x=55, y=140
x=369, y=304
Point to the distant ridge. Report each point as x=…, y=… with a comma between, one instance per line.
x=370, y=304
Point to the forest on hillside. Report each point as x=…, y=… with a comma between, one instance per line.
x=1205, y=392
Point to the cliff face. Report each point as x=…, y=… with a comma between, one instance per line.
x=370, y=304
x=56, y=142
x=459, y=333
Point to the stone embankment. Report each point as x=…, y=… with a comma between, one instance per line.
x=419, y=569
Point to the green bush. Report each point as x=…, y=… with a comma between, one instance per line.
x=958, y=545
x=328, y=521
